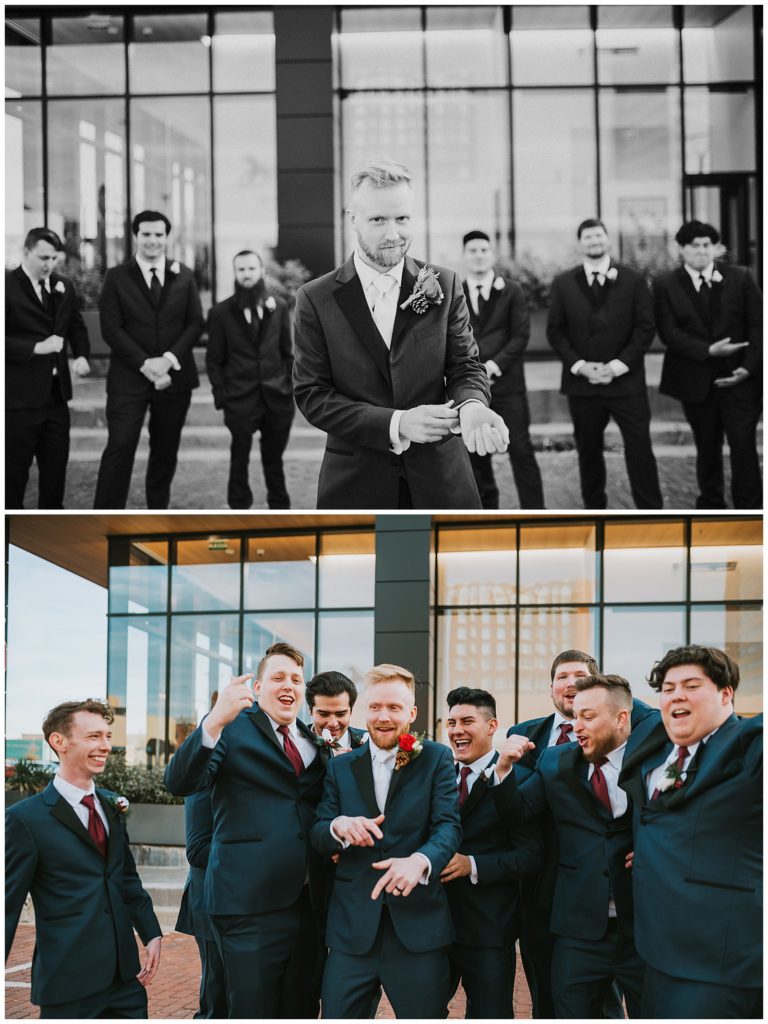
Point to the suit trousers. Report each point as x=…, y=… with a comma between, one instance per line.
x=536, y=947
x=41, y=434
x=665, y=997
x=632, y=414
x=513, y=409
x=274, y=429
x=213, y=989
x=125, y=417
x=488, y=977
x=584, y=969
x=416, y=984
x=121, y=1000
x=732, y=413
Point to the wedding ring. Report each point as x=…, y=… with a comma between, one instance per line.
x=399, y=892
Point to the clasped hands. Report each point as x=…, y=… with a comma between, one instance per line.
x=597, y=373
x=401, y=874
x=156, y=370
x=483, y=430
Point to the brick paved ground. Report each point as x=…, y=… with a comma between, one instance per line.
x=173, y=993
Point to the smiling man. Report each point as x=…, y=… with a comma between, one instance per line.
x=68, y=847
x=330, y=697
x=262, y=886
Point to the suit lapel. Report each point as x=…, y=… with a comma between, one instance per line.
x=649, y=754
x=113, y=817
x=395, y=782
x=479, y=789
x=134, y=271
x=404, y=316
x=260, y=720
x=687, y=285
x=490, y=305
x=581, y=280
x=575, y=779
x=362, y=769
x=64, y=812
x=351, y=299
x=28, y=287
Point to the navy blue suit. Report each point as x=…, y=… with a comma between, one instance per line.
x=86, y=906
x=398, y=942
x=698, y=873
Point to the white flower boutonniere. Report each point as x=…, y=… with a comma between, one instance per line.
x=612, y=274
x=175, y=267
x=717, y=277
x=119, y=804
x=270, y=304
x=498, y=284
x=665, y=783
x=59, y=287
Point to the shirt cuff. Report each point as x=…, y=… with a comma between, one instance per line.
x=208, y=743
x=343, y=842
x=175, y=364
x=397, y=444
x=499, y=776
x=473, y=872
x=577, y=366
x=619, y=368
x=469, y=401
x=424, y=880
x=494, y=367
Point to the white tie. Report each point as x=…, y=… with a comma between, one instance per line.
x=385, y=307
x=383, y=766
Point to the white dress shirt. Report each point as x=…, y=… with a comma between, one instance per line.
x=485, y=283
x=554, y=734
x=38, y=285
x=658, y=774
x=695, y=275
x=601, y=269
x=146, y=272
x=477, y=768
x=73, y=795
x=305, y=746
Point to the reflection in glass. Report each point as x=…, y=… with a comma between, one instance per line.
x=347, y=568
x=204, y=652
x=280, y=572
x=86, y=56
x=551, y=45
x=718, y=43
x=557, y=564
x=207, y=576
x=345, y=644
x=738, y=632
x=244, y=51
x=636, y=45
x=23, y=60
x=263, y=630
x=465, y=46
x=381, y=47
x=23, y=175
x=634, y=638
x=169, y=41
x=644, y=561
x=138, y=576
x=477, y=566
x=136, y=675
x=543, y=634
x=719, y=131
x=726, y=560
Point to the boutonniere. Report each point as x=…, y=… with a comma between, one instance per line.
x=119, y=805
x=612, y=274
x=326, y=741
x=717, y=277
x=270, y=304
x=409, y=746
x=175, y=267
x=673, y=778
x=498, y=284
x=60, y=287
x=426, y=291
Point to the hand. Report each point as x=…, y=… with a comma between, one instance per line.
x=401, y=875
x=737, y=377
x=512, y=750
x=163, y=382
x=232, y=698
x=151, y=962
x=492, y=370
x=458, y=866
x=335, y=751
x=155, y=368
x=81, y=367
x=358, y=831
x=629, y=860
x=427, y=423
x=53, y=343
x=483, y=430
x=726, y=347
x=596, y=373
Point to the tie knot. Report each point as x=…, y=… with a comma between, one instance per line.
x=565, y=729
x=284, y=730
x=600, y=761
x=682, y=753
x=89, y=802
x=465, y=772
x=383, y=283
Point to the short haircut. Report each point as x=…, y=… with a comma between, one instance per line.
x=721, y=669
x=380, y=171
x=472, y=695
x=585, y=659
x=280, y=648
x=330, y=684
x=149, y=215
x=386, y=673
x=248, y=252
x=35, y=235
x=472, y=236
x=59, y=719
x=617, y=686
x=590, y=222
x=693, y=229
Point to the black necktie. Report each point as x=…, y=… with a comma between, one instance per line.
x=480, y=300
x=597, y=288
x=47, y=299
x=155, y=291
x=705, y=295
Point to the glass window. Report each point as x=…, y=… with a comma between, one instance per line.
x=719, y=131
x=262, y=630
x=644, y=561
x=636, y=44
x=635, y=638
x=465, y=46
x=557, y=564
x=245, y=176
x=468, y=171
x=244, y=51
x=136, y=674
x=381, y=47
x=345, y=644
x=554, y=168
x=86, y=56
x=726, y=560
x=543, y=634
x=347, y=569
x=207, y=575
x=280, y=572
x=477, y=566
x=718, y=43
x=138, y=576
x=23, y=175
x=552, y=45
x=738, y=632
x=169, y=53
x=23, y=62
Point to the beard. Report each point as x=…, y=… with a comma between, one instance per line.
x=250, y=297
x=387, y=741
x=386, y=257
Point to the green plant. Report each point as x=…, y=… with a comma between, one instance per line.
x=285, y=279
x=137, y=783
x=534, y=275
x=29, y=777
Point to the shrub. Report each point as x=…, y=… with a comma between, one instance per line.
x=137, y=783
x=285, y=279
x=29, y=777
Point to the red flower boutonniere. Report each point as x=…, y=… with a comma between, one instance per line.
x=409, y=746
x=426, y=291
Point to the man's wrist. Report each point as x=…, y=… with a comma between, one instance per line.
x=397, y=444
x=576, y=368
x=175, y=364
x=472, y=870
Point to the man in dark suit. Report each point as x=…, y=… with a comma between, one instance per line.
x=696, y=782
x=601, y=325
x=481, y=879
x=68, y=847
x=262, y=883
x=710, y=317
x=330, y=697
x=390, y=810
x=150, y=318
x=42, y=322
x=577, y=784
x=387, y=365
x=249, y=361
x=501, y=324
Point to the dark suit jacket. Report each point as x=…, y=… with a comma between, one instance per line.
x=488, y=914
x=249, y=365
x=736, y=313
x=262, y=814
x=135, y=330
x=86, y=905
x=617, y=326
x=502, y=333
x=27, y=376
x=348, y=384
x=198, y=826
x=697, y=869
x=421, y=815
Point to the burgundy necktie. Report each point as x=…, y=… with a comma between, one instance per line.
x=682, y=753
x=291, y=749
x=463, y=789
x=598, y=783
x=565, y=729
x=96, y=829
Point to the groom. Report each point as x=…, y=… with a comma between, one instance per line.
x=391, y=386
x=394, y=819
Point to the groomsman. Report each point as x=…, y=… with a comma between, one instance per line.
x=481, y=879
x=710, y=317
x=68, y=847
x=696, y=782
x=390, y=810
x=42, y=326
x=150, y=318
x=330, y=697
